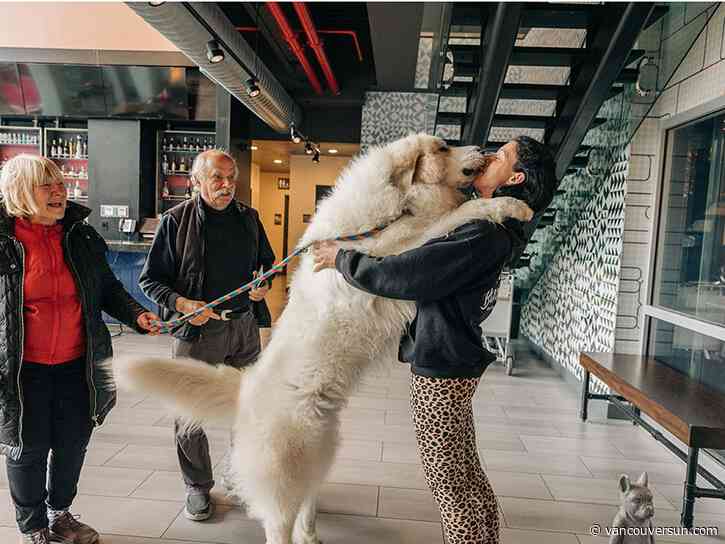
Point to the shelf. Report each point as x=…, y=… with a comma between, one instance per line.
x=79, y=198
x=83, y=158
x=184, y=174
x=175, y=197
x=188, y=151
x=19, y=145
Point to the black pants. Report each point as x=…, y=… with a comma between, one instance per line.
x=56, y=420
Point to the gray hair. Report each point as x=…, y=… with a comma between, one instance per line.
x=204, y=164
x=19, y=175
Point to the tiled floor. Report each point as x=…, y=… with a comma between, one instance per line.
x=554, y=476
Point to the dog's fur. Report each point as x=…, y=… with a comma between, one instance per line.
x=285, y=408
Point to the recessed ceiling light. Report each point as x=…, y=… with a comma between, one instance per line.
x=277, y=161
x=333, y=150
x=253, y=147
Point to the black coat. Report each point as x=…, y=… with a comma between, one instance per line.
x=99, y=289
x=454, y=282
x=175, y=264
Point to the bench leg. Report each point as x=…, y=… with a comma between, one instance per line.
x=688, y=500
x=584, y=399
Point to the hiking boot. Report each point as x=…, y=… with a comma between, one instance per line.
x=68, y=530
x=41, y=536
x=198, y=506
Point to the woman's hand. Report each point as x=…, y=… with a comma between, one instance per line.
x=324, y=254
x=148, y=321
x=186, y=306
x=260, y=292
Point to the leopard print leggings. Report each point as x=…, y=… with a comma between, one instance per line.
x=442, y=411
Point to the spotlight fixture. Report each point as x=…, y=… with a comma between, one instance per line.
x=253, y=147
x=294, y=135
x=316, y=157
x=332, y=150
x=277, y=161
x=308, y=148
x=253, y=87
x=156, y=4
x=213, y=52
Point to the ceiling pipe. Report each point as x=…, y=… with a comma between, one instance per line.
x=314, y=40
x=333, y=31
x=291, y=39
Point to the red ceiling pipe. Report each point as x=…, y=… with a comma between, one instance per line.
x=314, y=40
x=291, y=39
x=351, y=33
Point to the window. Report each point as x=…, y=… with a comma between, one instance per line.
x=690, y=267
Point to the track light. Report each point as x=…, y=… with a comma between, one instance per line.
x=213, y=52
x=308, y=148
x=316, y=157
x=294, y=135
x=253, y=87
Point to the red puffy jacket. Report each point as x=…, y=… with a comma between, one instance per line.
x=52, y=313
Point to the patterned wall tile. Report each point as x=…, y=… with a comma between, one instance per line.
x=422, y=66
x=387, y=116
x=573, y=307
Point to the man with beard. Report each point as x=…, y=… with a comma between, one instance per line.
x=204, y=248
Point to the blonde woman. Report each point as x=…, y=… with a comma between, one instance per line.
x=54, y=283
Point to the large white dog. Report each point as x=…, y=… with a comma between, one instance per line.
x=285, y=408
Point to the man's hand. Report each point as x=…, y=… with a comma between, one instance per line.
x=324, y=254
x=186, y=306
x=260, y=292
x=146, y=322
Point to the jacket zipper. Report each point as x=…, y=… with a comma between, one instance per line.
x=89, y=363
x=21, y=250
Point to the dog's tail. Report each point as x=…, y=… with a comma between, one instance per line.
x=189, y=389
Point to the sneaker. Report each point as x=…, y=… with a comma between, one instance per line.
x=198, y=506
x=68, y=530
x=40, y=536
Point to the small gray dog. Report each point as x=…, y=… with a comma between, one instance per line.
x=635, y=513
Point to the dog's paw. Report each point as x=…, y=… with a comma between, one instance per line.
x=514, y=208
x=497, y=209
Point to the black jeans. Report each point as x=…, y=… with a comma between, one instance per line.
x=56, y=420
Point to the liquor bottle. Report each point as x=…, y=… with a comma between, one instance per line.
x=165, y=144
x=78, y=147
x=187, y=193
x=173, y=165
x=197, y=147
x=66, y=152
x=62, y=171
x=165, y=193
x=186, y=144
x=77, y=191
x=85, y=150
x=171, y=144
x=165, y=165
x=182, y=165
x=52, y=149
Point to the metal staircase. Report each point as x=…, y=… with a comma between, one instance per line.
x=539, y=69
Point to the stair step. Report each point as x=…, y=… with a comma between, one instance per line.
x=549, y=16
x=522, y=121
x=552, y=16
x=450, y=118
x=468, y=56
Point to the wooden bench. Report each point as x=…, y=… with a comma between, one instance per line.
x=692, y=412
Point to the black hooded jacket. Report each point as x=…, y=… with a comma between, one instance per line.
x=453, y=281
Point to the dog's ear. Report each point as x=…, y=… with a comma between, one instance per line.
x=409, y=175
